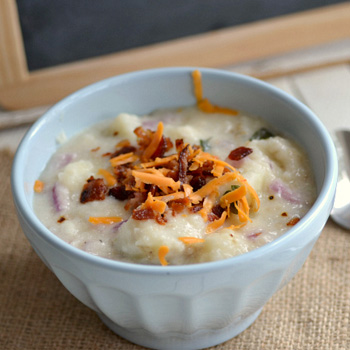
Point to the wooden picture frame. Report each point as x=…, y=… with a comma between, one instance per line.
x=22, y=89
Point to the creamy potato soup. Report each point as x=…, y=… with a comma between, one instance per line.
x=213, y=186
x=182, y=186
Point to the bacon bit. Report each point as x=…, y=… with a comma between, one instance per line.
x=293, y=221
x=284, y=214
x=203, y=157
x=38, y=186
x=124, y=158
x=120, y=193
x=123, y=150
x=110, y=179
x=61, y=219
x=213, y=226
x=93, y=190
x=105, y=220
x=183, y=164
x=143, y=214
x=137, y=200
x=164, y=145
x=115, y=133
x=107, y=154
x=191, y=240
x=204, y=104
x=179, y=205
x=162, y=252
x=240, y=153
x=152, y=147
x=161, y=220
x=95, y=149
x=197, y=182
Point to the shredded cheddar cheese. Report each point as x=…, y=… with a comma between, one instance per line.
x=212, y=185
x=38, y=186
x=213, y=226
x=191, y=240
x=203, y=103
x=106, y=220
x=152, y=147
x=110, y=179
x=162, y=252
x=123, y=159
x=155, y=179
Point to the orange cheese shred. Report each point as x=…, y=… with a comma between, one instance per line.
x=191, y=240
x=152, y=147
x=155, y=179
x=211, y=186
x=213, y=226
x=106, y=220
x=171, y=197
x=233, y=196
x=123, y=143
x=162, y=252
x=159, y=161
x=243, y=210
x=206, y=107
x=208, y=205
x=203, y=103
x=123, y=159
x=38, y=186
x=110, y=179
x=154, y=204
x=197, y=84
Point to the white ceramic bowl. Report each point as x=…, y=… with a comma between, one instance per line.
x=175, y=307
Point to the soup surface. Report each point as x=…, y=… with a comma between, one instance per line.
x=175, y=187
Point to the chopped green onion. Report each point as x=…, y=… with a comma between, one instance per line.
x=205, y=144
x=262, y=134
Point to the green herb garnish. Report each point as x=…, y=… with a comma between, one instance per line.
x=262, y=134
x=205, y=144
x=233, y=187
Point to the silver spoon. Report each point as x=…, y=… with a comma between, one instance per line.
x=341, y=209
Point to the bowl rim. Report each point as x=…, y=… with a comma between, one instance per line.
x=326, y=193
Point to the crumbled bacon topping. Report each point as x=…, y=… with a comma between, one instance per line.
x=240, y=153
x=155, y=184
x=93, y=190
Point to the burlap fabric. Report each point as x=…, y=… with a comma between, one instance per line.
x=36, y=311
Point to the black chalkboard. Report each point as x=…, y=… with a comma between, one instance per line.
x=62, y=31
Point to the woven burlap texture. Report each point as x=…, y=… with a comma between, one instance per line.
x=37, y=312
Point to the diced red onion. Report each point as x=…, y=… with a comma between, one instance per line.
x=235, y=163
x=118, y=225
x=60, y=196
x=284, y=191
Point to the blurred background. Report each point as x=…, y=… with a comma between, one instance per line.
x=63, y=31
